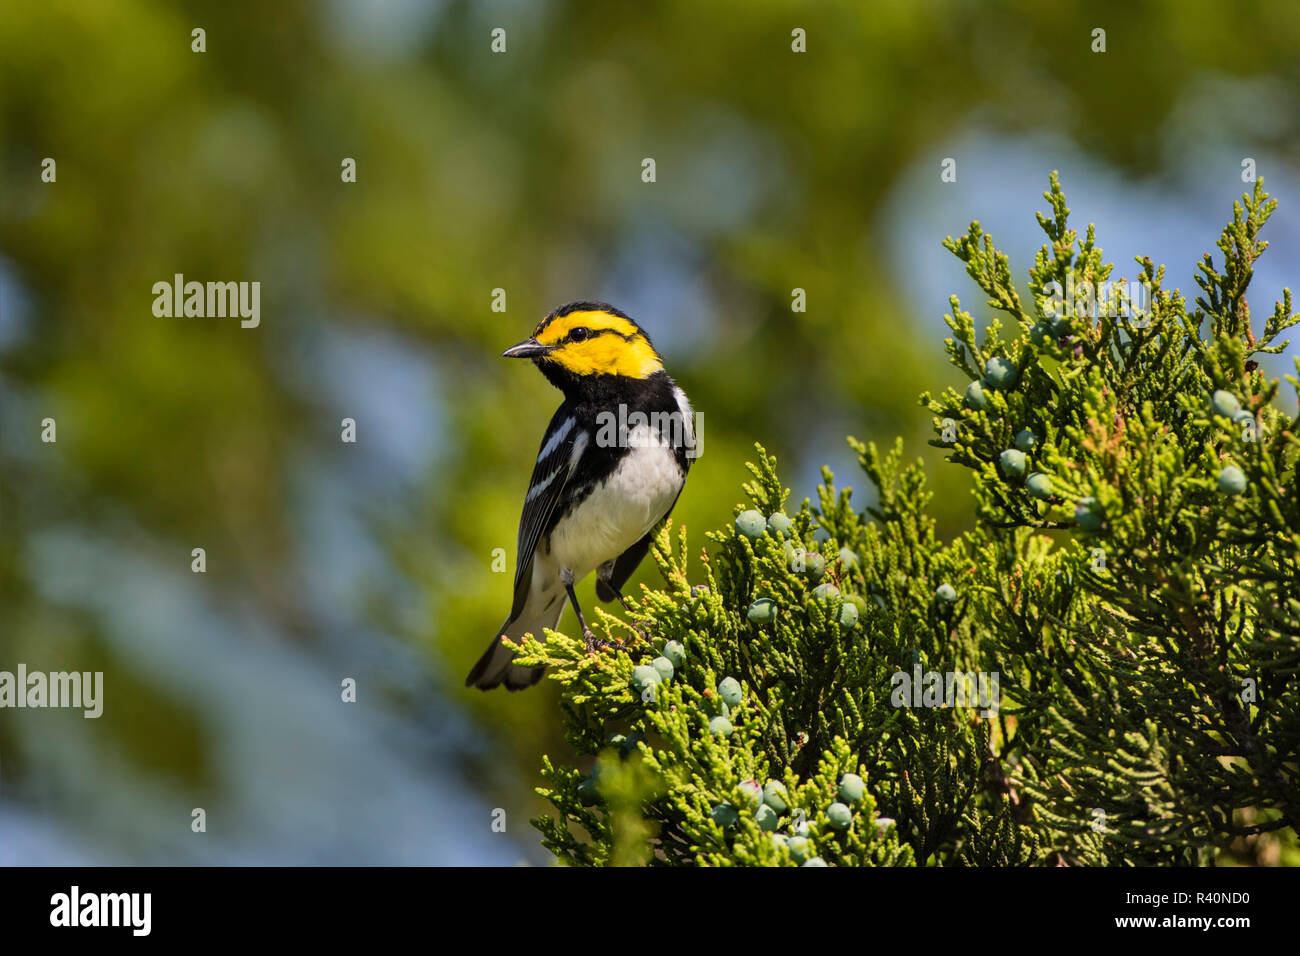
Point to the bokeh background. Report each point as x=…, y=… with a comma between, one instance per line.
x=520, y=170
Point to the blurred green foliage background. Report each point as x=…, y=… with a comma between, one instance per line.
x=476, y=170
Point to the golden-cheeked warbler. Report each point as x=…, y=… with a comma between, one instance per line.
x=612, y=463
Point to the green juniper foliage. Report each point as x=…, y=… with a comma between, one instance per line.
x=1131, y=584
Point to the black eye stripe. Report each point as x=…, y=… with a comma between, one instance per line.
x=589, y=334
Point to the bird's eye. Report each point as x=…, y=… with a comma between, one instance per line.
x=579, y=335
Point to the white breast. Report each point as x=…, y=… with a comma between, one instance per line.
x=621, y=510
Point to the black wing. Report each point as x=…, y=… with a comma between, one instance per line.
x=554, y=466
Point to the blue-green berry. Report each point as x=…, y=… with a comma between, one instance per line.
x=1086, y=515
x=975, y=396
x=762, y=611
x=848, y=615
x=675, y=652
x=665, y=668
x=1040, y=333
x=753, y=792
x=730, y=691
x=826, y=592
x=814, y=861
x=776, y=796
x=1000, y=373
x=587, y=792
x=946, y=592
x=1026, y=440
x=644, y=677
x=1243, y=415
x=629, y=744
x=1039, y=485
x=766, y=818
x=1231, y=480
x=1224, y=403
x=725, y=815
x=1060, y=327
x=848, y=558
x=720, y=727
x=839, y=816
x=799, y=848
x=751, y=524
x=852, y=788
x=779, y=524
x=815, y=565
x=1013, y=462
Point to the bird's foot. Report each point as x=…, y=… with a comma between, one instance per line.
x=595, y=643
x=642, y=634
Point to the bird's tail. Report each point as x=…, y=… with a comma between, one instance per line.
x=496, y=666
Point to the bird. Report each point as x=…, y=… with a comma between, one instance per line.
x=612, y=464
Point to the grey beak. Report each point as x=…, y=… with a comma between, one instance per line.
x=529, y=348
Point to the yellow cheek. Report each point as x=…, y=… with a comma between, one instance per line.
x=608, y=355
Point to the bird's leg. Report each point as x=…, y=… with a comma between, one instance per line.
x=604, y=572
x=593, y=642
